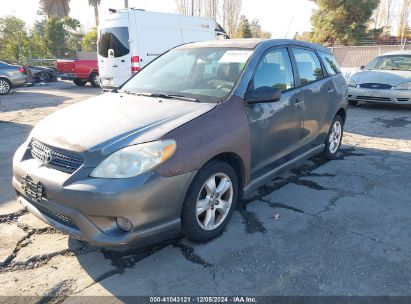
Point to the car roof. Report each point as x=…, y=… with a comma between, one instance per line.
x=252, y=43
x=403, y=52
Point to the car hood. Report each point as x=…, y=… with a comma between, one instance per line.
x=392, y=78
x=114, y=120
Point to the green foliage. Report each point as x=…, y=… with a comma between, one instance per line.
x=342, y=21
x=250, y=30
x=13, y=38
x=244, y=28
x=61, y=37
x=53, y=37
x=89, y=42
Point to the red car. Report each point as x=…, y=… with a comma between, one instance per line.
x=80, y=71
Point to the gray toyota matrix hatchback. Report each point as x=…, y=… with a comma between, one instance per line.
x=179, y=143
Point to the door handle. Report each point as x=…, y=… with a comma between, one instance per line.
x=115, y=66
x=298, y=103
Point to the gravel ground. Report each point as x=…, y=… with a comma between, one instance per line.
x=324, y=228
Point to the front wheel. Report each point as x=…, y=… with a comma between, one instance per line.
x=210, y=201
x=5, y=86
x=334, y=138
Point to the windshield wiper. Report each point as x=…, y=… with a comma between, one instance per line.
x=168, y=96
x=129, y=92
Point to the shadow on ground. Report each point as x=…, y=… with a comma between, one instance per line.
x=12, y=135
x=385, y=121
x=321, y=229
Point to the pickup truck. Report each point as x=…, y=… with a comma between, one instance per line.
x=80, y=71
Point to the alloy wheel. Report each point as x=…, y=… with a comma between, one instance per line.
x=335, y=136
x=4, y=86
x=214, y=201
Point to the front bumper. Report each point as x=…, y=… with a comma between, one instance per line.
x=86, y=208
x=380, y=96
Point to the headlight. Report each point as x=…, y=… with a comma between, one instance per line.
x=403, y=86
x=134, y=160
x=351, y=83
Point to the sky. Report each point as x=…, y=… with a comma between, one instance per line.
x=276, y=16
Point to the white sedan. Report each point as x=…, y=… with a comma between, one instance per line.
x=386, y=79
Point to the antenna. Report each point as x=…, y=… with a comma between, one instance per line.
x=289, y=26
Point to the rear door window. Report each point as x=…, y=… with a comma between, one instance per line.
x=275, y=70
x=113, y=42
x=330, y=64
x=308, y=65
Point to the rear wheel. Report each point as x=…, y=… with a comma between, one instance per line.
x=95, y=80
x=353, y=103
x=334, y=138
x=210, y=201
x=79, y=82
x=5, y=86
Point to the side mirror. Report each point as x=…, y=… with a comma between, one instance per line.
x=362, y=67
x=263, y=95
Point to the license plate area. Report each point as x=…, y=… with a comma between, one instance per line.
x=33, y=190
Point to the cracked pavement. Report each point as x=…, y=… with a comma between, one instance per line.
x=338, y=227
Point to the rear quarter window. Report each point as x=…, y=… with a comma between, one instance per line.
x=330, y=64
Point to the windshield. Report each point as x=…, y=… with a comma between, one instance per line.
x=206, y=74
x=113, y=42
x=400, y=63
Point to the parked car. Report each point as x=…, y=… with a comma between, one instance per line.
x=42, y=74
x=182, y=141
x=129, y=39
x=386, y=79
x=79, y=71
x=11, y=76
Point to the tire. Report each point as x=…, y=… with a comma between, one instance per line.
x=333, y=140
x=95, y=80
x=5, y=86
x=79, y=82
x=199, y=226
x=43, y=77
x=353, y=103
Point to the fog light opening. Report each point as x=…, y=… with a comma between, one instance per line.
x=124, y=224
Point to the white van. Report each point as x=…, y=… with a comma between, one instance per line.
x=129, y=39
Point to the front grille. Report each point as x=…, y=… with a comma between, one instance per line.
x=373, y=98
x=403, y=99
x=376, y=86
x=60, y=218
x=58, y=159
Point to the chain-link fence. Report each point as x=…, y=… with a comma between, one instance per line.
x=356, y=56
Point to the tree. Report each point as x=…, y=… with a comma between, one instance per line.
x=383, y=15
x=342, y=21
x=244, y=28
x=231, y=14
x=89, y=42
x=13, y=38
x=256, y=31
x=211, y=9
x=403, y=19
x=55, y=8
x=190, y=7
x=61, y=37
x=95, y=4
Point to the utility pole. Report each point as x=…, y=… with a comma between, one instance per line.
x=126, y=3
